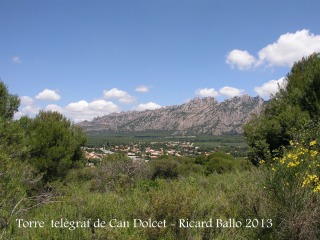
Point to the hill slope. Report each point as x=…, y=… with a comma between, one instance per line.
x=198, y=116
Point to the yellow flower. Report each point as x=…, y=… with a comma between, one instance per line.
x=317, y=189
x=305, y=182
x=313, y=153
x=293, y=164
x=262, y=162
x=313, y=143
x=282, y=161
x=309, y=179
x=312, y=177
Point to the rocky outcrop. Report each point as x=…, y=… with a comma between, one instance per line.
x=196, y=117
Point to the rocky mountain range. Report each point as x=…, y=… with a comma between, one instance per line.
x=200, y=116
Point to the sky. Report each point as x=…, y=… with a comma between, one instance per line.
x=88, y=58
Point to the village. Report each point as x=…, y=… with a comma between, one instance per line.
x=144, y=151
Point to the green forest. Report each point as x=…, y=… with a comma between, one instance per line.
x=47, y=191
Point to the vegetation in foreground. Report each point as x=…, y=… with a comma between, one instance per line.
x=47, y=192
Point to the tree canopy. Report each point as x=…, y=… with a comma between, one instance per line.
x=50, y=142
x=54, y=143
x=295, y=105
x=33, y=151
x=9, y=103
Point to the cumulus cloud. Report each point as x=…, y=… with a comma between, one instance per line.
x=145, y=106
x=48, y=95
x=114, y=93
x=270, y=88
x=79, y=106
x=77, y=111
x=54, y=108
x=289, y=48
x=207, y=92
x=17, y=115
x=142, y=89
x=30, y=110
x=16, y=60
x=83, y=110
x=102, y=106
x=240, y=59
x=27, y=107
x=225, y=91
x=121, y=95
x=25, y=100
x=231, y=91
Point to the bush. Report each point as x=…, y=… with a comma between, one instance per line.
x=54, y=143
x=9, y=103
x=164, y=168
x=15, y=181
x=294, y=189
x=221, y=162
x=118, y=172
x=297, y=102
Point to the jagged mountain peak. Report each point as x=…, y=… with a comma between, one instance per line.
x=197, y=116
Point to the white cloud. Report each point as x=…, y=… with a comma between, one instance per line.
x=54, y=108
x=240, y=59
x=289, y=48
x=103, y=106
x=145, y=106
x=16, y=60
x=114, y=93
x=27, y=108
x=121, y=95
x=25, y=100
x=207, y=92
x=142, y=89
x=48, y=95
x=231, y=92
x=79, y=106
x=17, y=115
x=269, y=88
x=82, y=110
x=31, y=111
x=77, y=111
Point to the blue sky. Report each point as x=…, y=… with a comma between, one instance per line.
x=91, y=58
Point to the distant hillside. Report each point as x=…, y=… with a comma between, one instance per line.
x=200, y=116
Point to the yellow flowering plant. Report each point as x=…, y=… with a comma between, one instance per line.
x=299, y=166
x=292, y=185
